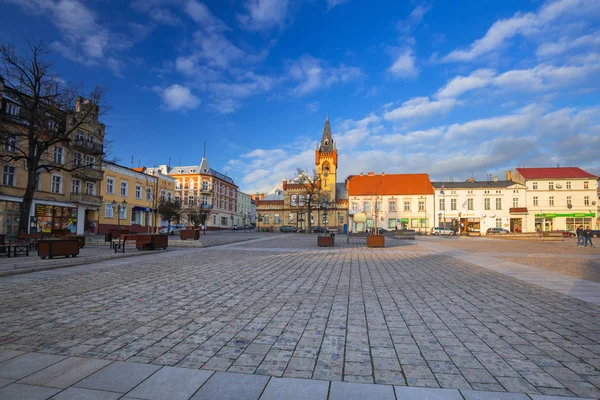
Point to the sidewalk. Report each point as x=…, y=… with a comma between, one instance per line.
x=41, y=376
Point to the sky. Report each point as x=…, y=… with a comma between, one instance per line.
x=452, y=89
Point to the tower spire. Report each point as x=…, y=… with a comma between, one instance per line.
x=326, y=139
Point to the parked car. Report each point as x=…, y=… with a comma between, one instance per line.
x=318, y=229
x=288, y=228
x=595, y=233
x=175, y=228
x=440, y=230
x=248, y=227
x=234, y=228
x=492, y=231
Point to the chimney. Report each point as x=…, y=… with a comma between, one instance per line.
x=78, y=101
x=382, y=173
x=495, y=179
x=371, y=173
x=361, y=174
x=509, y=176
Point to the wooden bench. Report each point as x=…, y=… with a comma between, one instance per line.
x=356, y=235
x=17, y=249
x=142, y=242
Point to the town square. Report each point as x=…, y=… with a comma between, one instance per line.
x=299, y=199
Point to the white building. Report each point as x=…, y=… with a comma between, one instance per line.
x=390, y=201
x=244, y=209
x=559, y=198
x=477, y=206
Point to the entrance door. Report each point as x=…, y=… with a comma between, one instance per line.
x=516, y=223
x=548, y=225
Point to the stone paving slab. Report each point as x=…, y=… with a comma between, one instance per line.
x=26, y=364
x=295, y=389
x=17, y=391
x=118, y=377
x=74, y=393
x=232, y=386
x=171, y=383
x=65, y=373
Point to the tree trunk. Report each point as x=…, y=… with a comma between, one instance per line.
x=26, y=207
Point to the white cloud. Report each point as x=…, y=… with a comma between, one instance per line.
x=177, y=98
x=523, y=24
x=420, y=107
x=264, y=14
x=202, y=15
x=567, y=44
x=312, y=74
x=462, y=84
x=334, y=3
x=404, y=65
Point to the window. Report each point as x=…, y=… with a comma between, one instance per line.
x=51, y=124
x=148, y=194
x=204, y=185
x=414, y=222
x=123, y=188
x=293, y=200
x=8, y=177
x=407, y=206
x=76, y=186
x=551, y=200
x=378, y=205
x=58, y=155
x=487, y=204
x=190, y=200
x=367, y=206
x=498, y=222
x=90, y=161
x=498, y=204
x=569, y=203
x=108, y=210
x=392, y=223
x=56, y=184
x=550, y=185
x=122, y=211
x=453, y=204
x=266, y=218
x=515, y=202
x=38, y=181
x=586, y=185
x=535, y=201
x=177, y=184
x=77, y=157
x=13, y=109
x=170, y=197
x=191, y=184
x=300, y=201
x=110, y=186
x=392, y=206
x=10, y=143
x=90, y=188
x=442, y=204
x=276, y=219
x=586, y=201
x=534, y=185
x=79, y=137
x=138, y=192
x=469, y=204
x=355, y=206
x=163, y=195
x=421, y=205
x=568, y=185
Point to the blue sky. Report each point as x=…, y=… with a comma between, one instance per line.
x=409, y=86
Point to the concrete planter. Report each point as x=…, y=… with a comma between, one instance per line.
x=185, y=234
x=375, y=241
x=58, y=247
x=325, y=241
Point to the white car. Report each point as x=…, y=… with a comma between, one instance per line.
x=438, y=230
x=175, y=228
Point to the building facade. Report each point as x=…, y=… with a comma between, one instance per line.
x=131, y=198
x=201, y=185
x=245, y=212
x=67, y=194
x=476, y=206
x=559, y=198
x=289, y=202
x=390, y=201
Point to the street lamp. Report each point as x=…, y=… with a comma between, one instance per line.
x=122, y=206
x=440, y=221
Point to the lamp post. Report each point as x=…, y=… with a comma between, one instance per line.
x=440, y=221
x=121, y=206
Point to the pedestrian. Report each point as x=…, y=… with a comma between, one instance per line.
x=579, y=233
x=517, y=229
x=588, y=237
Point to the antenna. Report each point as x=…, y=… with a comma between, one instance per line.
x=132, y=161
x=169, y=163
x=204, y=150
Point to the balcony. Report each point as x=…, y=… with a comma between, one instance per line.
x=89, y=199
x=89, y=173
x=206, y=190
x=88, y=147
x=518, y=210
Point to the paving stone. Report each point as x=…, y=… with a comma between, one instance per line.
x=295, y=389
x=65, y=373
x=452, y=381
x=8, y=354
x=544, y=397
x=389, y=377
x=119, y=376
x=26, y=364
x=517, y=385
x=417, y=393
x=360, y=391
x=4, y=382
x=481, y=395
x=171, y=383
x=230, y=386
x=74, y=393
x=17, y=391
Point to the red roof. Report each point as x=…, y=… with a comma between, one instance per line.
x=555, y=173
x=389, y=185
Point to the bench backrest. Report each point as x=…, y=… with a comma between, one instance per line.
x=357, y=234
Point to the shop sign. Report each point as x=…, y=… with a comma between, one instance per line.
x=404, y=220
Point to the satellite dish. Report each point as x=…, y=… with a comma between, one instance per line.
x=558, y=186
x=569, y=206
x=593, y=203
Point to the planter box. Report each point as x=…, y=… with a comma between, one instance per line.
x=375, y=241
x=325, y=241
x=161, y=241
x=58, y=247
x=189, y=234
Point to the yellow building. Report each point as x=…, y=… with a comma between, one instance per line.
x=131, y=198
x=63, y=198
x=287, y=203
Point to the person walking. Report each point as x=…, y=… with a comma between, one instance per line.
x=580, y=238
x=588, y=237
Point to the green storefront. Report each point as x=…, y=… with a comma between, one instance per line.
x=555, y=221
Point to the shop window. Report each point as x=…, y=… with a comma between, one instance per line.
x=392, y=223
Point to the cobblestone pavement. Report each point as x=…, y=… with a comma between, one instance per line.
x=405, y=315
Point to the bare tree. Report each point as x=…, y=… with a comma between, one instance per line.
x=170, y=211
x=49, y=112
x=312, y=184
x=197, y=215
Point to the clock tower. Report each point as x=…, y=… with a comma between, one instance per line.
x=326, y=162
